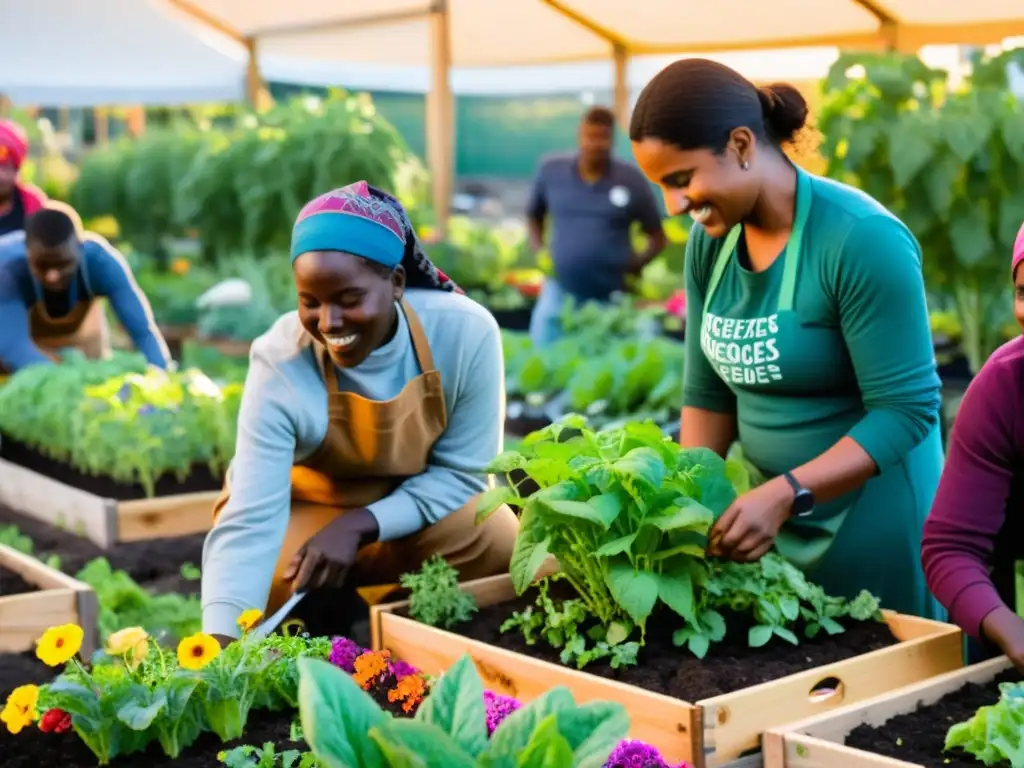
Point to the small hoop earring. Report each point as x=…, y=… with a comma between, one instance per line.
x=744, y=166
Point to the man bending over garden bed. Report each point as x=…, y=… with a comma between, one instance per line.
x=50, y=280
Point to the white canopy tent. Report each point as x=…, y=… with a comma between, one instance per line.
x=441, y=34
x=106, y=52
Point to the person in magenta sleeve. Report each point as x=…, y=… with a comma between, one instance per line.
x=974, y=536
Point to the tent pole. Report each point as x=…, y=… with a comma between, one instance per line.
x=441, y=117
x=620, y=56
x=621, y=88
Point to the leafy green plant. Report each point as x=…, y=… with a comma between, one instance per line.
x=267, y=756
x=345, y=727
x=128, y=422
x=624, y=511
x=994, y=735
x=947, y=159
x=247, y=183
x=124, y=603
x=435, y=597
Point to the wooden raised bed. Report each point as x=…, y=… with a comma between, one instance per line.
x=706, y=733
x=104, y=521
x=59, y=599
x=817, y=742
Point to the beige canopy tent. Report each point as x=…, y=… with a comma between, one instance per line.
x=477, y=33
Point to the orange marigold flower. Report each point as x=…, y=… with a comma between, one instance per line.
x=370, y=667
x=410, y=691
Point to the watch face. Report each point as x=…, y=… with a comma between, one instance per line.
x=803, y=502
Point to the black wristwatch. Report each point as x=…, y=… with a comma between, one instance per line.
x=803, y=498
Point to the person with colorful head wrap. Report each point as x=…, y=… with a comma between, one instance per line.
x=18, y=199
x=51, y=277
x=367, y=419
x=973, y=542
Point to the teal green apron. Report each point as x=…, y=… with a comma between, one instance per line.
x=837, y=545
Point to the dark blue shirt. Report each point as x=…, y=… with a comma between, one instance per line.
x=590, y=223
x=102, y=272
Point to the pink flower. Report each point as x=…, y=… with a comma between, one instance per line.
x=676, y=305
x=344, y=653
x=498, y=707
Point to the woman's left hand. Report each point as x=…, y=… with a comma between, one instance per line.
x=747, y=529
x=324, y=560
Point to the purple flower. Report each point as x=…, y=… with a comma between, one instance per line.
x=344, y=654
x=402, y=669
x=498, y=707
x=124, y=392
x=636, y=754
x=146, y=410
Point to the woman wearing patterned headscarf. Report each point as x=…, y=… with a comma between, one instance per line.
x=18, y=199
x=367, y=419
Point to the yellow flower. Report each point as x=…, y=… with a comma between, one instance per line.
x=132, y=642
x=249, y=619
x=181, y=266
x=198, y=650
x=20, y=710
x=59, y=644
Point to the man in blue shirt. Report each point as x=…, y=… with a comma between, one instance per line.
x=51, y=276
x=592, y=200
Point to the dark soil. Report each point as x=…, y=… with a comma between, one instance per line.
x=155, y=563
x=918, y=737
x=201, y=479
x=11, y=583
x=663, y=668
x=32, y=748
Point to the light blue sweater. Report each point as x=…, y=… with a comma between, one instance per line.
x=283, y=419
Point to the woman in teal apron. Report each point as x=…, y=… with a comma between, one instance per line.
x=808, y=338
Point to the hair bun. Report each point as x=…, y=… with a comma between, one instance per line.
x=785, y=110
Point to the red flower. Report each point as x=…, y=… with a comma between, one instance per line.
x=55, y=721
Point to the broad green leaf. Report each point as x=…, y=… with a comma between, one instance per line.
x=423, y=740
x=336, y=715
x=139, y=717
x=966, y=134
x=511, y=737
x=675, y=588
x=396, y=754
x=456, y=706
x=615, y=546
x=642, y=464
x=528, y=555
x=491, y=500
x=759, y=635
x=690, y=515
x=547, y=748
x=506, y=462
x=1011, y=214
x=911, y=145
x=636, y=592
x=592, y=731
x=939, y=178
x=601, y=510
x=1012, y=130
x=969, y=235
x=790, y=607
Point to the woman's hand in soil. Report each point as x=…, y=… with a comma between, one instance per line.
x=747, y=529
x=1004, y=628
x=325, y=559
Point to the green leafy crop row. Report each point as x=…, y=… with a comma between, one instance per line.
x=120, y=419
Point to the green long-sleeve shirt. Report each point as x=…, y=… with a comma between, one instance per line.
x=857, y=357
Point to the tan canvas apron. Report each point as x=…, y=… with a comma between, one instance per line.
x=370, y=448
x=85, y=328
